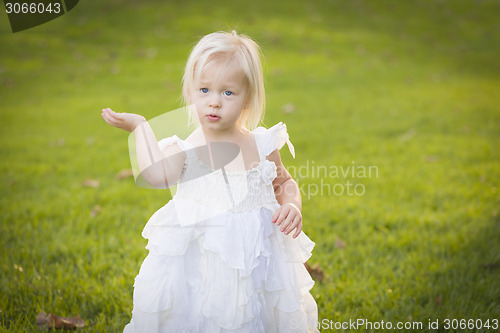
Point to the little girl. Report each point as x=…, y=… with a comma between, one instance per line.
x=226, y=254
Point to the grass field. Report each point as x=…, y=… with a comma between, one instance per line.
x=409, y=88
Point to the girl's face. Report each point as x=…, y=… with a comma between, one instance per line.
x=219, y=103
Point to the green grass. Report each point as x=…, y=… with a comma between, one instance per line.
x=410, y=87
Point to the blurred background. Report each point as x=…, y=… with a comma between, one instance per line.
x=409, y=88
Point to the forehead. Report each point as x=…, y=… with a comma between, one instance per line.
x=225, y=73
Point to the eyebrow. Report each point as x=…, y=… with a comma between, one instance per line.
x=230, y=85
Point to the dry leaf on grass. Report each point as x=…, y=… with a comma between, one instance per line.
x=59, y=142
x=95, y=211
x=339, y=243
x=125, y=174
x=438, y=300
x=408, y=135
x=53, y=321
x=492, y=265
x=316, y=272
x=90, y=183
x=288, y=108
x=430, y=158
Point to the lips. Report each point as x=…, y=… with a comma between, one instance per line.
x=213, y=117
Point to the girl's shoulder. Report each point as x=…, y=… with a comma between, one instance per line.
x=196, y=138
x=174, y=139
x=267, y=140
x=272, y=138
x=191, y=141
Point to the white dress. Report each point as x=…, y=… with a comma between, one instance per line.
x=216, y=262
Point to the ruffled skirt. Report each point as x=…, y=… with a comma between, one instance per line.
x=233, y=272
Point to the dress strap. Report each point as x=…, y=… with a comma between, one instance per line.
x=171, y=140
x=270, y=139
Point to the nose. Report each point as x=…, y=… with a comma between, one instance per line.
x=214, y=101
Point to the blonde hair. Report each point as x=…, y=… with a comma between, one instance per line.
x=236, y=52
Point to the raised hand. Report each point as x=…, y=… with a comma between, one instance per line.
x=125, y=121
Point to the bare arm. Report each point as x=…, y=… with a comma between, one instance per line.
x=159, y=168
x=288, y=216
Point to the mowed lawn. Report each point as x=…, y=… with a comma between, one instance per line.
x=392, y=107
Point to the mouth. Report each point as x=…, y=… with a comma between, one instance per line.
x=213, y=117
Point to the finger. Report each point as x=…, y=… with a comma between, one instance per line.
x=276, y=215
x=109, y=112
x=297, y=232
x=293, y=225
x=106, y=111
x=109, y=119
x=281, y=217
x=115, y=115
x=288, y=221
x=105, y=114
x=113, y=122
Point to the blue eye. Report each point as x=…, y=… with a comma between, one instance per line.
x=204, y=90
x=228, y=93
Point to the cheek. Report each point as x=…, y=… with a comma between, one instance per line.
x=192, y=96
x=244, y=104
x=196, y=99
x=235, y=103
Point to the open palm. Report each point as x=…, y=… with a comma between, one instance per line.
x=125, y=121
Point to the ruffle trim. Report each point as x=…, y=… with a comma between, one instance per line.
x=269, y=139
x=171, y=140
x=169, y=235
x=244, y=267
x=273, y=138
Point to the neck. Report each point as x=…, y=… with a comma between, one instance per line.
x=227, y=134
